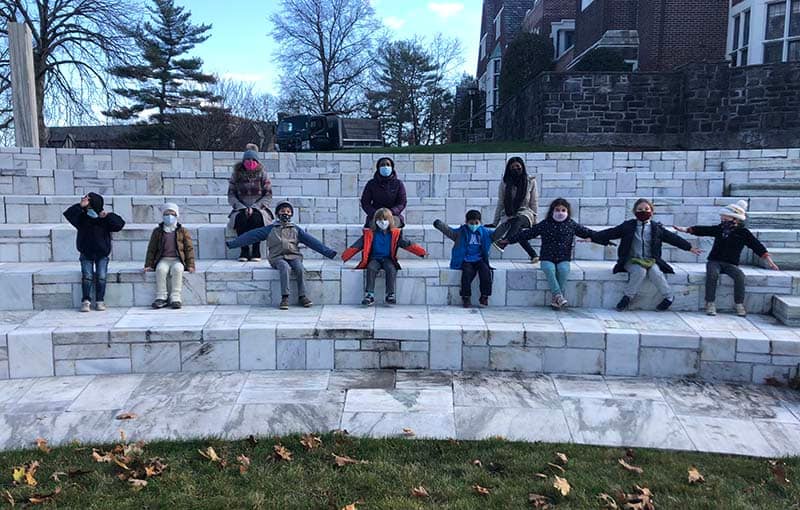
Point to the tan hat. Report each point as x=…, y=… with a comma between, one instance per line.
x=737, y=210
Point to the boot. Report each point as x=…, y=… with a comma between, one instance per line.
x=256, y=253
x=244, y=255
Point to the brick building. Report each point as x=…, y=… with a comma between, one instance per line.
x=554, y=19
x=763, y=32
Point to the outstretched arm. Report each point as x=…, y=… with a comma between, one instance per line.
x=445, y=229
x=414, y=248
x=314, y=243
x=351, y=252
x=252, y=237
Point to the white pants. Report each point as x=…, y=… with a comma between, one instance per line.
x=169, y=268
x=637, y=275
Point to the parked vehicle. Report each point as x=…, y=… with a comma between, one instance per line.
x=327, y=132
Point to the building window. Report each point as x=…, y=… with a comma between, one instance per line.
x=782, y=34
x=741, y=39
x=483, y=46
x=585, y=4
x=495, y=80
x=776, y=20
x=498, y=24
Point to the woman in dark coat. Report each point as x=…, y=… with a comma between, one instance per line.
x=385, y=189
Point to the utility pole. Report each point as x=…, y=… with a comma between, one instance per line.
x=26, y=125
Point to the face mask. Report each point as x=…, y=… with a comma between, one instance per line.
x=250, y=164
x=285, y=218
x=170, y=220
x=382, y=224
x=385, y=171
x=560, y=215
x=643, y=215
x=474, y=228
x=92, y=214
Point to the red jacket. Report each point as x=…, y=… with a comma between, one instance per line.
x=364, y=244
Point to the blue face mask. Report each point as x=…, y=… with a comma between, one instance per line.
x=474, y=228
x=170, y=220
x=92, y=214
x=385, y=171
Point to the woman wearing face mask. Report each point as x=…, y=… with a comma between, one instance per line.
x=250, y=195
x=169, y=252
x=517, y=205
x=639, y=253
x=385, y=189
x=558, y=232
x=379, y=245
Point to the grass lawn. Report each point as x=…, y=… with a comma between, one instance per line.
x=488, y=147
x=311, y=480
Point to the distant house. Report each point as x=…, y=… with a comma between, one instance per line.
x=90, y=137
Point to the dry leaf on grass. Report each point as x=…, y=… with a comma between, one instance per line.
x=210, y=454
x=344, y=460
x=341, y=432
x=244, y=463
x=420, y=492
x=137, y=484
x=477, y=462
x=409, y=432
x=8, y=497
x=778, y=469
x=562, y=458
x=96, y=455
x=351, y=506
x=629, y=467
x=26, y=474
x=41, y=444
x=556, y=467
x=127, y=416
x=607, y=501
x=539, y=502
x=252, y=440
x=482, y=491
x=310, y=441
x=640, y=499
x=154, y=467
x=695, y=476
x=282, y=453
x=562, y=485
x=541, y=475
x=40, y=499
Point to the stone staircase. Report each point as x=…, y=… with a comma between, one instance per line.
x=229, y=322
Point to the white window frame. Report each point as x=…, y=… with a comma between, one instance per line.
x=498, y=23
x=786, y=39
x=496, y=64
x=555, y=30
x=483, y=46
x=739, y=44
x=585, y=4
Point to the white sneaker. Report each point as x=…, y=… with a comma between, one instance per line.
x=740, y=311
x=100, y=306
x=86, y=306
x=711, y=309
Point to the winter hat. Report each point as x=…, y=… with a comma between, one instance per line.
x=737, y=210
x=282, y=205
x=170, y=206
x=250, y=152
x=96, y=202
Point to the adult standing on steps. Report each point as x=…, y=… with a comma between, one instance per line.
x=250, y=195
x=517, y=206
x=384, y=190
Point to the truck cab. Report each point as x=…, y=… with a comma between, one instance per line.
x=326, y=132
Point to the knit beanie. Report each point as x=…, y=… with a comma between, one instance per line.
x=96, y=202
x=251, y=152
x=170, y=206
x=282, y=205
x=737, y=210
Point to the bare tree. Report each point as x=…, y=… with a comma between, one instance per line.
x=324, y=47
x=74, y=42
x=243, y=100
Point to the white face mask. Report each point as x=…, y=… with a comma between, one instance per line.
x=170, y=220
x=560, y=215
x=382, y=224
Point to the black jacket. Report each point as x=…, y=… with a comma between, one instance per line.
x=625, y=232
x=94, y=234
x=557, y=238
x=729, y=249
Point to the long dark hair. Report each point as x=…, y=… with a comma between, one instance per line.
x=559, y=202
x=514, y=181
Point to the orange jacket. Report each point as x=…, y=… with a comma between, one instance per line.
x=364, y=244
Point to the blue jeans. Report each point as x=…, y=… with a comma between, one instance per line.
x=94, y=271
x=557, y=275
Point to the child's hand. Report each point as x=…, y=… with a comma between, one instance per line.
x=103, y=214
x=696, y=251
x=192, y=270
x=249, y=211
x=685, y=230
x=772, y=265
x=147, y=269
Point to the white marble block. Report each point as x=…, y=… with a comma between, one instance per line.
x=622, y=352
x=257, y=347
x=30, y=353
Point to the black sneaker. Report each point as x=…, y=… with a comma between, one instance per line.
x=159, y=303
x=483, y=301
x=466, y=302
x=305, y=302
x=623, y=303
x=284, y=303
x=664, y=305
x=390, y=299
x=368, y=300
x=176, y=305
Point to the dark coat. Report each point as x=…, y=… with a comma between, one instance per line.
x=729, y=249
x=557, y=238
x=625, y=232
x=94, y=234
x=185, y=247
x=388, y=192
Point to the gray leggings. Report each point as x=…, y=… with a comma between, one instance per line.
x=372, y=272
x=713, y=269
x=284, y=266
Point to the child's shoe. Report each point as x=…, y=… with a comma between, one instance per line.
x=244, y=254
x=100, y=306
x=284, y=303
x=623, y=304
x=368, y=300
x=176, y=305
x=711, y=309
x=159, y=303
x=390, y=299
x=498, y=248
x=255, y=256
x=483, y=301
x=305, y=302
x=535, y=260
x=664, y=305
x=561, y=301
x=554, y=302
x=466, y=302
x=740, y=311
x=86, y=306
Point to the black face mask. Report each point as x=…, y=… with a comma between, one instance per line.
x=285, y=218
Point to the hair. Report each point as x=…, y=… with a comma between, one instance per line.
x=643, y=201
x=559, y=202
x=382, y=214
x=384, y=158
x=284, y=205
x=473, y=214
x=520, y=182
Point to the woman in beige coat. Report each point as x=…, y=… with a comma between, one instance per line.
x=518, y=205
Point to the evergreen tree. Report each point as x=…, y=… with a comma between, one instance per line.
x=525, y=58
x=165, y=80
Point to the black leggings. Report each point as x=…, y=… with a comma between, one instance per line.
x=511, y=228
x=245, y=223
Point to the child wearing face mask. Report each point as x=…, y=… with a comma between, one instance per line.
x=639, y=253
x=379, y=245
x=283, y=244
x=558, y=231
x=470, y=255
x=94, y=227
x=169, y=252
x=730, y=238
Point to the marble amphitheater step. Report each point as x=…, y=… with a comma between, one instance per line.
x=46, y=286
x=785, y=258
x=787, y=220
x=787, y=310
x=778, y=188
x=230, y=338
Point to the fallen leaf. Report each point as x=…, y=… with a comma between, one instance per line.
x=55, y=476
x=562, y=485
x=608, y=502
x=482, y=491
x=18, y=474
x=252, y=440
x=695, y=476
x=498, y=438
x=41, y=444
x=454, y=442
x=477, y=462
x=630, y=453
x=779, y=472
x=556, y=467
x=408, y=432
x=310, y=441
x=282, y=453
x=210, y=454
x=628, y=467
x=341, y=432
x=105, y=457
x=538, y=501
x=121, y=464
x=127, y=416
x=154, y=467
x=39, y=499
x=137, y=484
x=244, y=463
x=640, y=499
x=541, y=475
x=344, y=460
x=351, y=506
x=11, y=501
x=420, y=492
x=27, y=473
x=562, y=458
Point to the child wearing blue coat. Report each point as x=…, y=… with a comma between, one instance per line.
x=470, y=255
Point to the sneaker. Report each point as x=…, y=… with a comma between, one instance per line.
x=284, y=303
x=711, y=309
x=159, y=303
x=498, y=248
x=176, y=305
x=466, y=302
x=562, y=303
x=554, y=303
x=304, y=301
x=390, y=299
x=623, y=304
x=483, y=301
x=535, y=260
x=86, y=306
x=664, y=305
x=368, y=300
x=243, y=259
x=740, y=311
x=100, y=306
x=255, y=259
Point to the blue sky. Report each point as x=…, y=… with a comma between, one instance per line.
x=240, y=46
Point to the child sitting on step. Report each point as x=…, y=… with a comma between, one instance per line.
x=730, y=238
x=94, y=227
x=639, y=253
x=379, y=245
x=558, y=231
x=470, y=255
x=283, y=244
x=169, y=252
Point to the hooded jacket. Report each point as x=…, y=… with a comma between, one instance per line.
x=183, y=240
x=460, y=236
x=94, y=234
x=388, y=192
x=625, y=232
x=364, y=244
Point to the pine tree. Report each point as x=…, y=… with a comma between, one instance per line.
x=165, y=80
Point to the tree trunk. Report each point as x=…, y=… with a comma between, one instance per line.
x=39, y=83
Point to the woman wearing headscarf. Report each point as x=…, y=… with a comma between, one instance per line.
x=517, y=205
